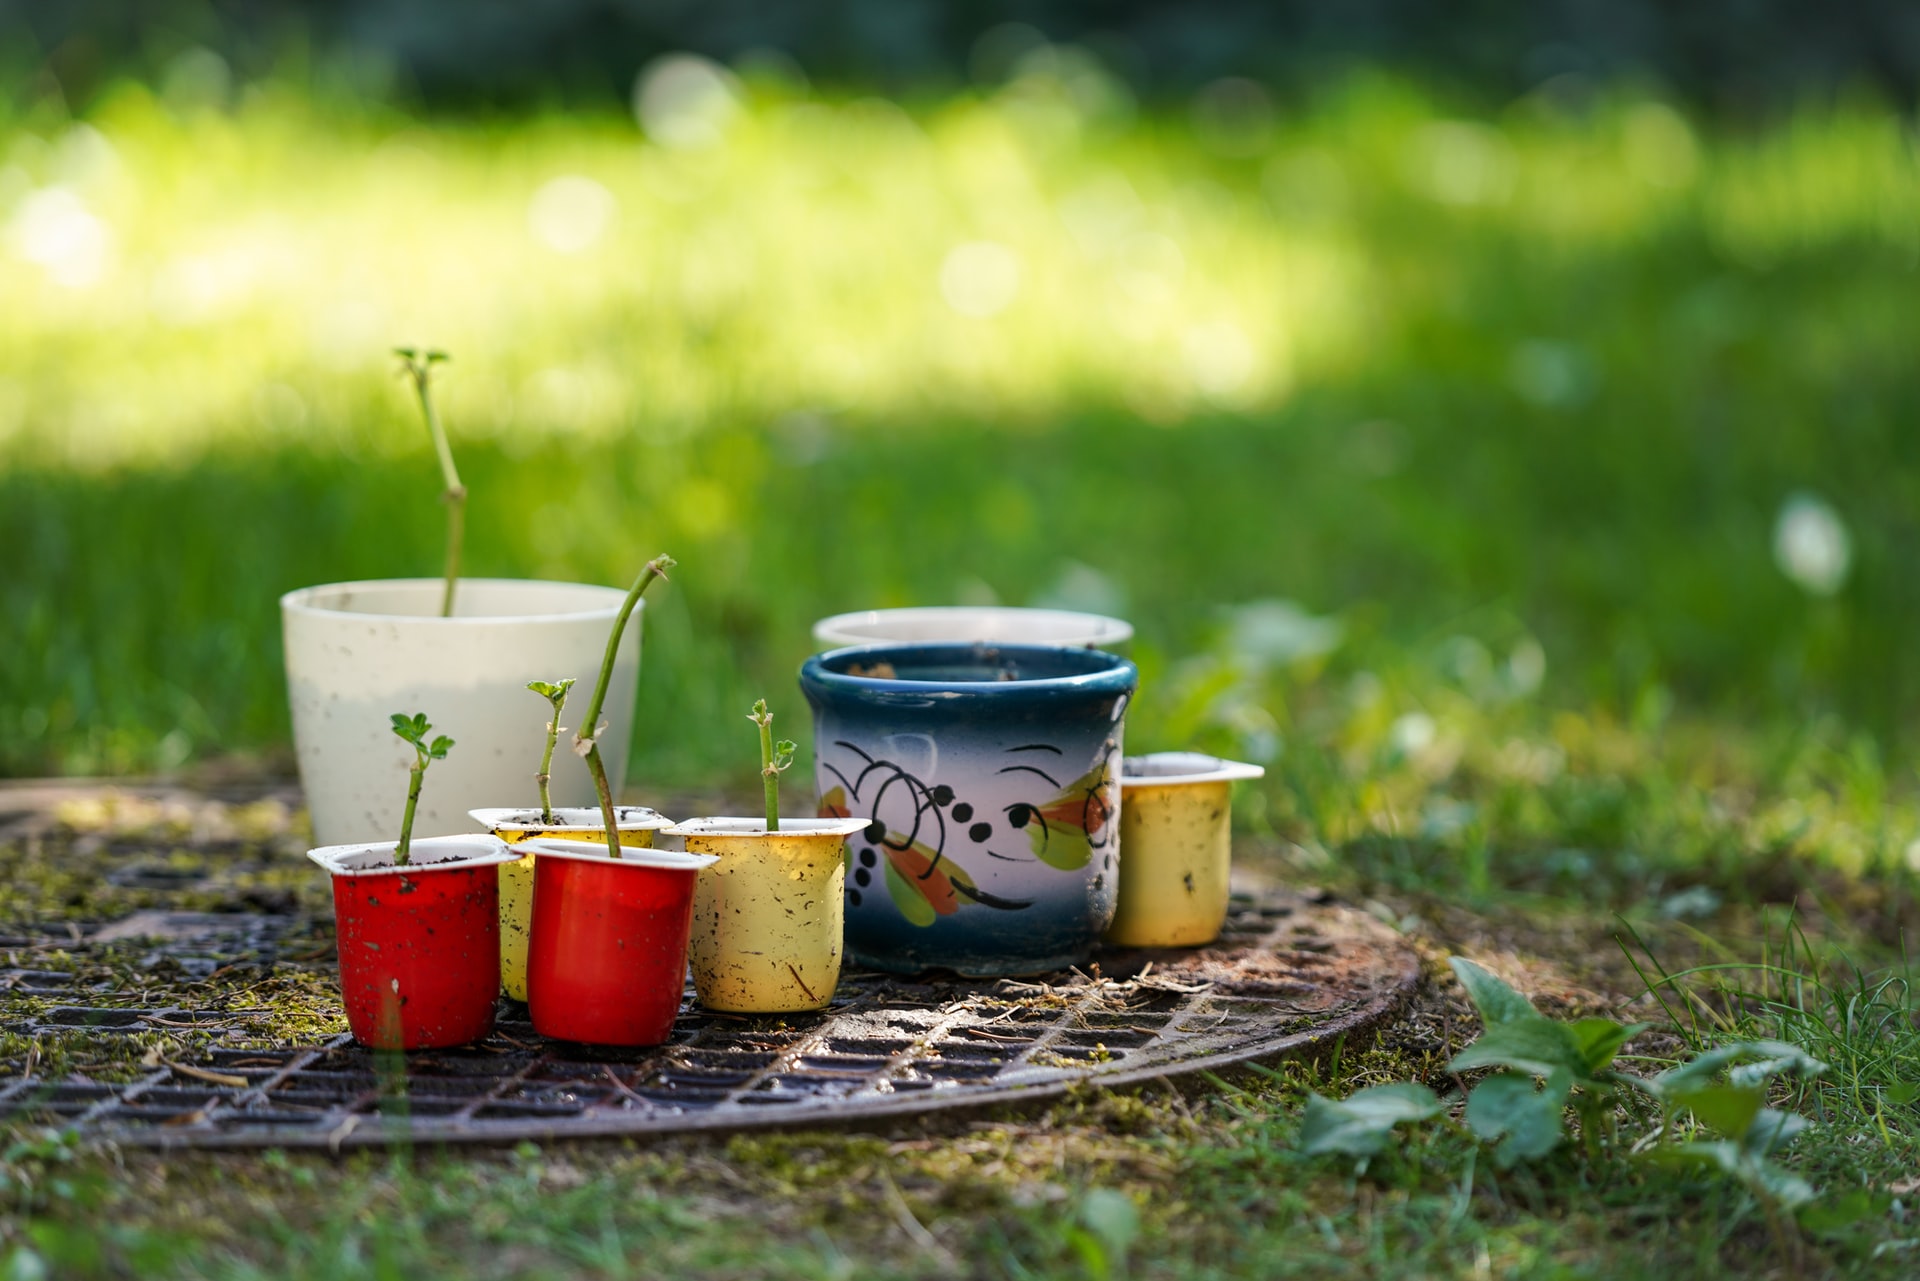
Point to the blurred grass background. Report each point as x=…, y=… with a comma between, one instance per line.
x=1520, y=481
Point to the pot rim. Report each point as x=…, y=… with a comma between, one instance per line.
x=300, y=601
x=487, y=850
x=1183, y=768
x=627, y=818
x=840, y=630
x=1106, y=674
x=838, y=827
x=594, y=852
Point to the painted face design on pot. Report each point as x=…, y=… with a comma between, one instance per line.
x=923, y=837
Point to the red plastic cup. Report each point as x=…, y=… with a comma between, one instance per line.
x=607, y=961
x=419, y=945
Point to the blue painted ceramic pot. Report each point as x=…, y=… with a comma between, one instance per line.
x=991, y=774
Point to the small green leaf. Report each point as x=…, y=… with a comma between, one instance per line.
x=1901, y=1093
x=1833, y=1213
x=1726, y=1108
x=553, y=691
x=1361, y=1123
x=1761, y=1176
x=1496, y=1002
x=1112, y=1218
x=1773, y=1130
x=1523, y=1123
x=1747, y=1063
x=440, y=746
x=1600, y=1039
x=783, y=753
x=1536, y=1045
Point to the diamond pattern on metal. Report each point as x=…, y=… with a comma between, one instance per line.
x=1291, y=974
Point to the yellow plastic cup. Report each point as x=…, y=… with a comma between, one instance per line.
x=1176, y=848
x=636, y=825
x=769, y=918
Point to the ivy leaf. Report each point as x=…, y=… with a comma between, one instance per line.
x=1361, y=1123
x=1836, y=1213
x=1523, y=1123
x=1772, y=1130
x=1534, y=1045
x=1747, y=1063
x=1496, y=1002
x=1761, y=1176
x=1112, y=1218
x=1600, y=1039
x=1727, y=1108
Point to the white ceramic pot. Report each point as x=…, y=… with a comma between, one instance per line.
x=995, y=624
x=358, y=652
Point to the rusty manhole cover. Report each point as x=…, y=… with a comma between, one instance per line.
x=1289, y=975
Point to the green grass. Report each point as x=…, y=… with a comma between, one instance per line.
x=1214, y=1176
x=1563, y=402
x=1513, y=404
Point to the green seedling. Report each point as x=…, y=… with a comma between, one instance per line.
x=555, y=692
x=414, y=729
x=587, y=745
x=1523, y=1122
x=418, y=366
x=1544, y=1067
x=775, y=758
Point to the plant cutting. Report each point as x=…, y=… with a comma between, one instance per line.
x=457, y=644
x=586, y=741
x=418, y=367
x=417, y=923
x=769, y=914
x=635, y=824
x=1176, y=835
x=607, y=949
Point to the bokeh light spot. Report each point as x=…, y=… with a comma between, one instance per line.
x=980, y=278
x=56, y=231
x=1457, y=163
x=686, y=102
x=1811, y=544
x=570, y=214
x=1220, y=358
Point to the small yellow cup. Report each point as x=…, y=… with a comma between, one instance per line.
x=1176, y=848
x=769, y=918
x=636, y=825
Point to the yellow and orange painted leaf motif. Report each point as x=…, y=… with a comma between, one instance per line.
x=1064, y=831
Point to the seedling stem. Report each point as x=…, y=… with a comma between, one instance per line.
x=774, y=758
x=555, y=692
x=414, y=729
x=587, y=744
x=418, y=366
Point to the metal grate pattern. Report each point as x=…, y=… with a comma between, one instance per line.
x=1288, y=975
x=192, y=917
